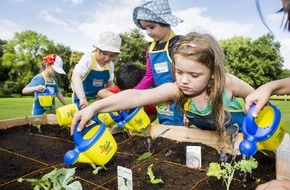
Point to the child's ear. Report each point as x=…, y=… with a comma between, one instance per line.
x=212, y=76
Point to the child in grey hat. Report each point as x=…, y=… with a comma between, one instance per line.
x=95, y=70
x=156, y=18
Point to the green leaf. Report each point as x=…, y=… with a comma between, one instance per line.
x=151, y=175
x=247, y=165
x=145, y=156
x=56, y=179
x=215, y=170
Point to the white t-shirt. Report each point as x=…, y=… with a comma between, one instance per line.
x=85, y=63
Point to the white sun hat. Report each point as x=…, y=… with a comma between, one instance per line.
x=109, y=41
x=156, y=11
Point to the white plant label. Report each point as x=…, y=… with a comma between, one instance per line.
x=193, y=156
x=125, y=180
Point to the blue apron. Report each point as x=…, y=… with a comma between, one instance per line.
x=37, y=108
x=169, y=113
x=94, y=81
x=202, y=118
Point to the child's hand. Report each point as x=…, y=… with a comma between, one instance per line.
x=260, y=98
x=40, y=88
x=186, y=121
x=81, y=118
x=83, y=103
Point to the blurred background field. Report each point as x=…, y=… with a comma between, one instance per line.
x=21, y=107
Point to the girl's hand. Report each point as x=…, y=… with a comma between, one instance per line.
x=83, y=103
x=185, y=121
x=260, y=98
x=40, y=88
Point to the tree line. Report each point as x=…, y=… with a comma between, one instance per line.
x=255, y=61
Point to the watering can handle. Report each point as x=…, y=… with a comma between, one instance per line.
x=116, y=118
x=250, y=127
x=127, y=117
x=77, y=135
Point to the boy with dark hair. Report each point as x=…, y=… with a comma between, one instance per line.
x=127, y=77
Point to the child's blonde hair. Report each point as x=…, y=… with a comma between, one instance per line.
x=204, y=48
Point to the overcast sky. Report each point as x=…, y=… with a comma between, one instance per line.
x=77, y=23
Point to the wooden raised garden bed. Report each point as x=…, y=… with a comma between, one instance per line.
x=25, y=152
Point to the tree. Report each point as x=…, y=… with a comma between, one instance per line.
x=23, y=56
x=3, y=70
x=133, y=49
x=74, y=59
x=255, y=62
x=285, y=74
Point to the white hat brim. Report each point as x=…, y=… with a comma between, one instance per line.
x=58, y=70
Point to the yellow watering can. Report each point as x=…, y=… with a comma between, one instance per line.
x=266, y=132
x=46, y=98
x=136, y=119
x=95, y=144
x=66, y=113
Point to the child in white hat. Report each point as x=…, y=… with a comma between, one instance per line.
x=95, y=70
x=45, y=85
x=156, y=18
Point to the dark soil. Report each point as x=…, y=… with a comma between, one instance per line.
x=27, y=153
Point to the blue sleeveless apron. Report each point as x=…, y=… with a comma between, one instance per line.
x=94, y=81
x=202, y=118
x=37, y=108
x=169, y=113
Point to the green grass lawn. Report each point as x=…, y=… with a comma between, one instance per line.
x=21, y=107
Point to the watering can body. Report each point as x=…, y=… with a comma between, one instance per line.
x=265, y=132
x=95, y=144
x=66, y=113
x=46, y=98
x=136, y=120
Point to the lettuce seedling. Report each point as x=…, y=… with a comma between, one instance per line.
x=61, y=179
x=35, y=123
x=97, y=168
x=226, y=170
x=152, y=176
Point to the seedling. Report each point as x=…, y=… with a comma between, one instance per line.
x=149, y=144
x=97, y=168
x=226, y=170
x=152, y=176
x=35, y=123
x=56, y=179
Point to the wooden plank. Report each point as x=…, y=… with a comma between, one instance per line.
x=51, y=119
x=184, y=134
x=44, y=119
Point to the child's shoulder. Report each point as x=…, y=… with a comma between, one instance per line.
x=39, y=76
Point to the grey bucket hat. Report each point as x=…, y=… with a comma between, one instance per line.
x=156, y=11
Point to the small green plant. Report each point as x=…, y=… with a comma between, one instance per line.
x=149, y=144
x=61, y=179
x=35, y=123
x=152, y=176
x=226, y=170
x=97, y=168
